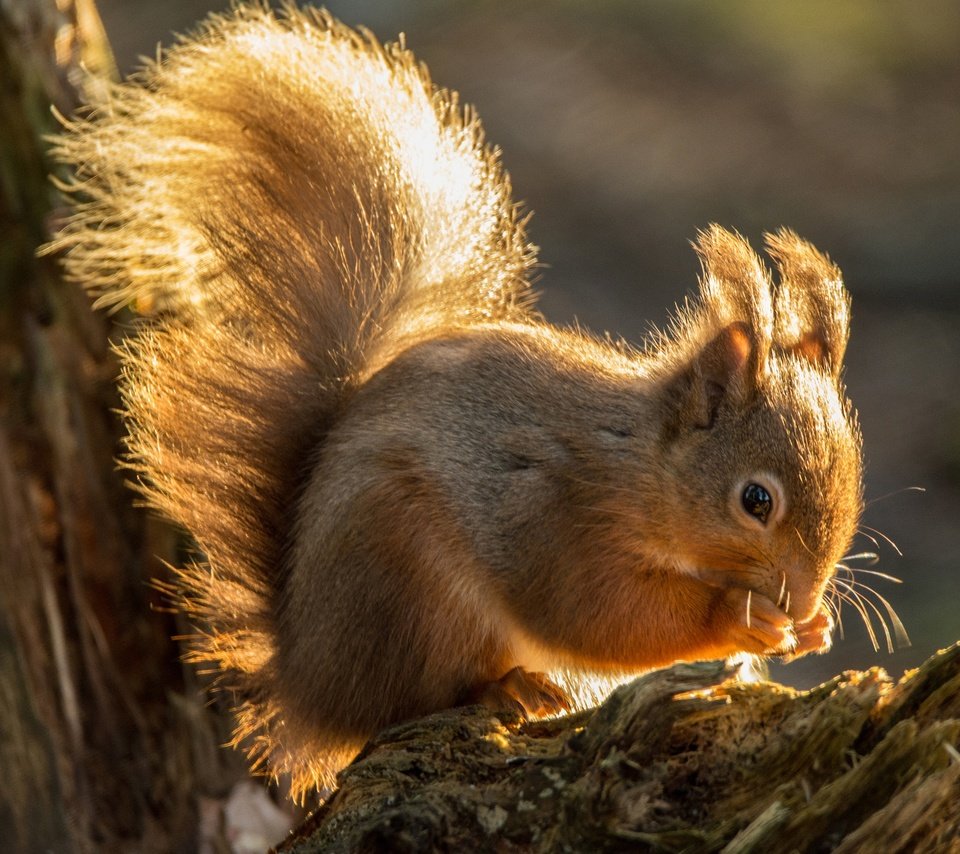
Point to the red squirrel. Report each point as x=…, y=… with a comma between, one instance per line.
x=409, y=490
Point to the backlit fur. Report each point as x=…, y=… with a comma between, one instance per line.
x=402, y=481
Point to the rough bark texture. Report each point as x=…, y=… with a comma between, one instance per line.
x=676, y=762
x=100, y=750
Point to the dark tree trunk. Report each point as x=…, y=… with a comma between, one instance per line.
x=95, y=753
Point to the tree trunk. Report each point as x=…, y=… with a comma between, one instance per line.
x=672, y=762
x=97, y=753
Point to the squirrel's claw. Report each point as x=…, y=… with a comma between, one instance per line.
x=530, y=694
x=760, y=627
x=813, y=635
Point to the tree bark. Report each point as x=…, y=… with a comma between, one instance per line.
x=98, y=752
x=675, y=761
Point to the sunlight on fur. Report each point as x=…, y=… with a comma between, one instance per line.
x=408, y=489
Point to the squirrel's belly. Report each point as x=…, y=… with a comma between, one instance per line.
x=495, y=629
x=528, y=653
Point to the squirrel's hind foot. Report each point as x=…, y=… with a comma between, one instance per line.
x=530, y=694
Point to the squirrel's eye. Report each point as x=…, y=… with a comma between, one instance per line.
x=757, y=501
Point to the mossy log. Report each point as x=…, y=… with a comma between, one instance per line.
x=681, y=760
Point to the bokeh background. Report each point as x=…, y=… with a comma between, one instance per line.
x=628, y=125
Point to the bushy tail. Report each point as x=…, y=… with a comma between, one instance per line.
x=292, y=203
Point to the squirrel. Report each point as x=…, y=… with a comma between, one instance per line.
x=408, y=490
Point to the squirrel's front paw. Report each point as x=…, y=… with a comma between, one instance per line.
x=530, y=694
x=755, y=624
x=813, y=635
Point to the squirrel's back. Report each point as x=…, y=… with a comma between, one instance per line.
x=292, y=203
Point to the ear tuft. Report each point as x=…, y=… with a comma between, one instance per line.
x=811, y=305
x=720, y=344
x=735, y=299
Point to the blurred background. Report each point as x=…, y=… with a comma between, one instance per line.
x=626, y=126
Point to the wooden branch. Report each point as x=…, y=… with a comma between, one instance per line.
x=679, y=760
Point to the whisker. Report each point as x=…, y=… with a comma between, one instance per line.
x=866, y=536
x=828, y=602
x=768, y=563
x=783, y=586
x=786, y=607
x=833, y=606
x=883, y=624
x=843, y=596
x=749, y=600
x=895, y=492
x=876, y=610
x=898, y=627
x=863, y=616
x=840, y=602
x=859, y=602
x=884, y=575
x=882, y=535
x=873, y=557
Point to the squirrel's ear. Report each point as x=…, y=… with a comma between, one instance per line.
x=811, y=305
x=720, y=371
x=731, y=324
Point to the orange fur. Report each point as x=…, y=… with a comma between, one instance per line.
x=406, y=486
